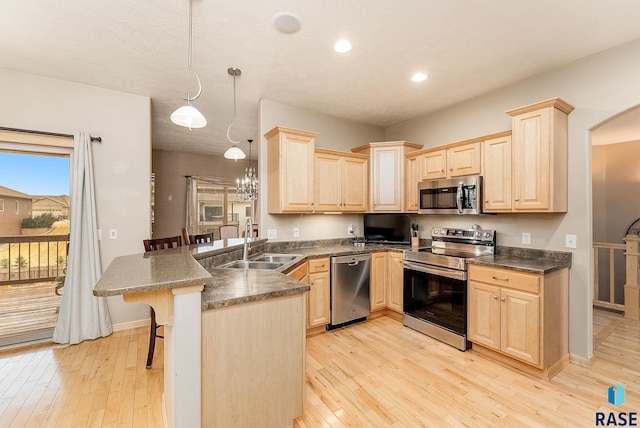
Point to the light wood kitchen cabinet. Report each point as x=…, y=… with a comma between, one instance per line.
x=378, y=281
x=522, y=317
x=433, y=165
x=395, y=277
x=387, y=177
x=341, y=181
x=456, y=161
x=540, y=153
x=319, y=295
x=290, y=170
x=412, y=177
x=497, y=174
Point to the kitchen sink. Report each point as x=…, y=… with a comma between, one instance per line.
x=253, y=264
x=276, y=258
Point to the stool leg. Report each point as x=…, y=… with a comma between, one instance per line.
x=152, y=339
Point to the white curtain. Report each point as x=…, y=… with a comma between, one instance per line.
x=82, y=315
x=191, y=207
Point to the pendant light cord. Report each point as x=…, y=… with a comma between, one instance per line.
x=190, y=34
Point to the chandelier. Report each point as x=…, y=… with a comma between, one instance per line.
x=247, y=186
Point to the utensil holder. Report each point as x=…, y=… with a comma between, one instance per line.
x=415, y=242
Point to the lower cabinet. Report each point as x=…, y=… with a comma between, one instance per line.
x=394, y=284
x=319, y=295
x=521, y=316
x=378, y=281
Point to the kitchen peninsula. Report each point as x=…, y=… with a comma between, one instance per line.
x=249, y=326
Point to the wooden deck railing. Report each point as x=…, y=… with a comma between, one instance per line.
x=26, y=259
x=597, y=247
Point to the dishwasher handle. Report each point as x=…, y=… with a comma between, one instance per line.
x=351, y=259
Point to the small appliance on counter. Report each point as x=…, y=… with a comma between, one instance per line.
x=387, y=228
x=435, y=282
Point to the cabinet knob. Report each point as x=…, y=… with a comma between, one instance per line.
x=502, y=299
x=450, y=169
x=486, y=201
x=442, y=170
x=516, y=199
x=495, y=297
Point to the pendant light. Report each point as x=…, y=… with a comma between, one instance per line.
x=187, y=115
x=234, y=152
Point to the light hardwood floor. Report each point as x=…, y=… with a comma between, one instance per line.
x=373, y=374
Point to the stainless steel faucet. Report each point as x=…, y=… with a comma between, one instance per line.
x=248, y=229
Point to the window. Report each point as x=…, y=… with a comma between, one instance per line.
x=17, y=207
x=1, y=205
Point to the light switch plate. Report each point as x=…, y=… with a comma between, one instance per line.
x=113, y=233
x=526, y=238
x=571, y=241
x=272, y=233
x=296, y=232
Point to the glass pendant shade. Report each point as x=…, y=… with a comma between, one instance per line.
x=189, y=117
x=234, y=153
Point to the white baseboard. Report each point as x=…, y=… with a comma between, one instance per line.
x=580, y=361
x=131, y=325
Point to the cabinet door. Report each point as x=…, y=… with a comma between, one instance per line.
x=394, y=284
x=497, y=174
x=328, y=183
x=532, y=162
x=520, y=322
x=318, y=300
x=483, y=323
x=387, y=178
x=378, y=281
x=464, y=160
x=434, y=165
x=412, y=177
x=355, y=184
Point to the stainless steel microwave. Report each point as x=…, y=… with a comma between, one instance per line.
x=451, y=196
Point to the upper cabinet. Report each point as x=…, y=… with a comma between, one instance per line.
x=412, y=176
x=290, y=170
x=497, y=174
x=540, y=156
x=456, y=161
x=341, y=181
x=387, y=173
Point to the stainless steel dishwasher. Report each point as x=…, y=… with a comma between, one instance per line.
x=349, y=289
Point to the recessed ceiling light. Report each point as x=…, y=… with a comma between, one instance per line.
x=286, y=22
x=342, y=46
x=419, y=77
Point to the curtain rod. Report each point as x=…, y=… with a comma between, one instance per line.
x=52, y=134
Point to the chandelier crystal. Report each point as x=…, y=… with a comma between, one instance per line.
x=247, y=186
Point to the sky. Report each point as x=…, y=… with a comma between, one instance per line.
x=35, y=174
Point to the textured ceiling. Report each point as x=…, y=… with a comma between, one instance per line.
x=466, y=47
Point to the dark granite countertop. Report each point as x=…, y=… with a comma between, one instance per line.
x=526, y=260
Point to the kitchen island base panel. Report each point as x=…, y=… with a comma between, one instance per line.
x=178, y=310
x=253, y=363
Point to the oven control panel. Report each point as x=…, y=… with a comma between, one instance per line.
x=462, y=235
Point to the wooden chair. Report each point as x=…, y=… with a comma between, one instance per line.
x=154, y=245
x=185, y=237
x=201, y=238
x=228, y=231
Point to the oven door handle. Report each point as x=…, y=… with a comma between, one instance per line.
x=453, y=274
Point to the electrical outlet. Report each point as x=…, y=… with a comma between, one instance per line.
x=350, y=229
x=526, y=238
x=272, y=233
x=571, y=241
x=296, y=232
x=113, y=233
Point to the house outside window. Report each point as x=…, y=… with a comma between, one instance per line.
x=1, y=205
x=17, y=207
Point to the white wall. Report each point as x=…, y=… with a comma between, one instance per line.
x=599, y=87
x=335, y=134
x=122, y=163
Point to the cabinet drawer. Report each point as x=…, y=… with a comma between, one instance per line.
x=505, y=278
x=300, y=272
x=319, y=265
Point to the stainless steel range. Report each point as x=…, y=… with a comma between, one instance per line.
x=435, y=282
